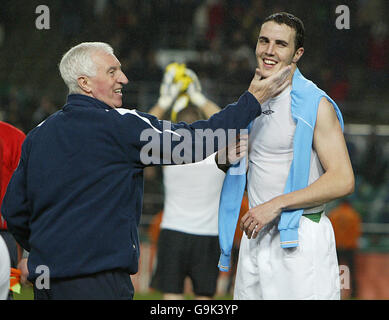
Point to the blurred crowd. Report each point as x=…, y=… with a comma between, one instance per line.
x=216, y=38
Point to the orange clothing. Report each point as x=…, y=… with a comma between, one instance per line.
x=347, y=226
x=243, y=210
x=155, y=227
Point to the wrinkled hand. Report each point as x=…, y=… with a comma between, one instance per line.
x=194, y=90
x=169, y=90
x=256, y=218
x=264, y=89
x=22, y=266
x=234, y=152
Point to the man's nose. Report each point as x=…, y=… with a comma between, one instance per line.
x=122, y=78
x=270, y=49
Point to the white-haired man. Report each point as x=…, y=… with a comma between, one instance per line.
x=75, y=200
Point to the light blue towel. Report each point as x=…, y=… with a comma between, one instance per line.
x=306, y=97
x=229, y=207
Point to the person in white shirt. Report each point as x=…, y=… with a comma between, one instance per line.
x=188, y=241
x=188, y=244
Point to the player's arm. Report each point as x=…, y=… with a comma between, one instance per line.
x=157, y=140
x=233, y=153
x=157, y=111
x=336, y=182
x=330, y=145
x=22, y=265
x=168, y=92
x=208, y=107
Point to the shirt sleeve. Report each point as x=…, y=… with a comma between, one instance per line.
x=165, y=143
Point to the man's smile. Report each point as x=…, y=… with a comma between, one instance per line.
x=269, y=63
x=118, y=92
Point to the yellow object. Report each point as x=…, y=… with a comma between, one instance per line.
x=180, y=74
x=17, y=288
x=181, y=103
x=15, y=281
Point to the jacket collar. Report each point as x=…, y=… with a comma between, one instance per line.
x=83, y=100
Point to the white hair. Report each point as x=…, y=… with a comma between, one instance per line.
x=78, y=62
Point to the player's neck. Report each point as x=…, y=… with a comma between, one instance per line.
x=294, y=67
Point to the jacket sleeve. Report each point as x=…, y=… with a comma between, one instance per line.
x=166, y=143
x=15, y=209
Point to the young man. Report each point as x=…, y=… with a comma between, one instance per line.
x=298, y=161
x=75, y=200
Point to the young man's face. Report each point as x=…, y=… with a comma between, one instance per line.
x=276, y=48
x=109, y=80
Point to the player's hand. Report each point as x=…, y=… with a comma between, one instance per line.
x=264, y=89
x=169, y=90
x=180, y=104
x=194, y=90
x=195, y=80
x=22, y=266
x=234, y=152
x=256, y=218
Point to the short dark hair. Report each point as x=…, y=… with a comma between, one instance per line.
x=291, y=21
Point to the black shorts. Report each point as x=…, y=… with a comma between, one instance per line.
x=181, y=254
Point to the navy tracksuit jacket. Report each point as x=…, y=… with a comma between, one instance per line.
x=75, y=200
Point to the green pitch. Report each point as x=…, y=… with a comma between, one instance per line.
x=27, y=294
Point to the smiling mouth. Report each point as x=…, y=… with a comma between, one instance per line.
x=119, y=92
x=269, y=63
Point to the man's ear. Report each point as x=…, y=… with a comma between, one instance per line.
x=298, y=54
x=84, y=84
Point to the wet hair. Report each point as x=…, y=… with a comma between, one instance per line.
x=291, y=21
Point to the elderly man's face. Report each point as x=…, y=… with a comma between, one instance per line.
x=276, y=48
x=107, y=85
